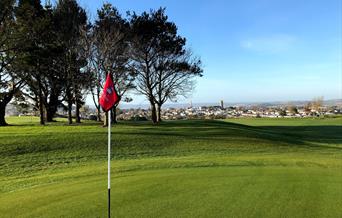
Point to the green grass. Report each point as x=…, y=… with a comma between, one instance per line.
x=232, y=168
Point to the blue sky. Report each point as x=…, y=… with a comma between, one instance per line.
x=261, y=50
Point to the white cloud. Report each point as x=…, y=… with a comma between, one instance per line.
x=271, y=44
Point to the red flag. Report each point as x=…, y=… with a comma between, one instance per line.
x=109, y=96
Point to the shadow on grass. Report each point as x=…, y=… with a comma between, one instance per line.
x=37, y=149
x=313, y=136
x=143, y=138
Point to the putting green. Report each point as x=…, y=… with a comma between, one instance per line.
x=187, y=192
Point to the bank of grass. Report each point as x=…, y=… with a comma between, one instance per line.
x=231, y=168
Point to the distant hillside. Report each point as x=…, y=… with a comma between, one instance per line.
x=330, y=102
x=11, y=110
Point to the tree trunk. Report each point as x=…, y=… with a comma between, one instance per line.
x=2, y=114
x=50, y=113
x=112, y=112
x=70, y=112
x=153, y=113
x=78, y=118
x=105, y=122
x=51, y=107
x=6, y=99
x=159, y=113
x=41, y=108
x=78, y=103
x=69, y=101
x=98, y=110
x=96, y=100
x=114, y=115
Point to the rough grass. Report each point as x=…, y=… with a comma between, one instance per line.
x=231, y=168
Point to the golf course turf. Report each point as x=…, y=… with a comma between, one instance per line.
x=204, y=168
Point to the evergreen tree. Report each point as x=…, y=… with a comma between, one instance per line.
x=69, y=20
x=10, y=83
x=110, y=53
x=164, y=67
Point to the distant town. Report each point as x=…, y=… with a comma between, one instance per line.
x=313, y=109
x=302, y=109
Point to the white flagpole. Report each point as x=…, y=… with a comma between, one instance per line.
x=109, y=142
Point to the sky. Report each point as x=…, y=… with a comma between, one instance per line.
x=255, y=51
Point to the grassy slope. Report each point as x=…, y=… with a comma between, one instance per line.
x=242, y=167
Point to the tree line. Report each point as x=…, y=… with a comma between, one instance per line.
x=53, y=56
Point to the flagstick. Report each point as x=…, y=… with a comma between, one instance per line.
x=109, y=125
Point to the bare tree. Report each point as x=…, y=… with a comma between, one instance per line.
x=108, y=53
x=93, y=68
x=175, y=74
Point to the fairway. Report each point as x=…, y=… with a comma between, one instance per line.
x=232, y=168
